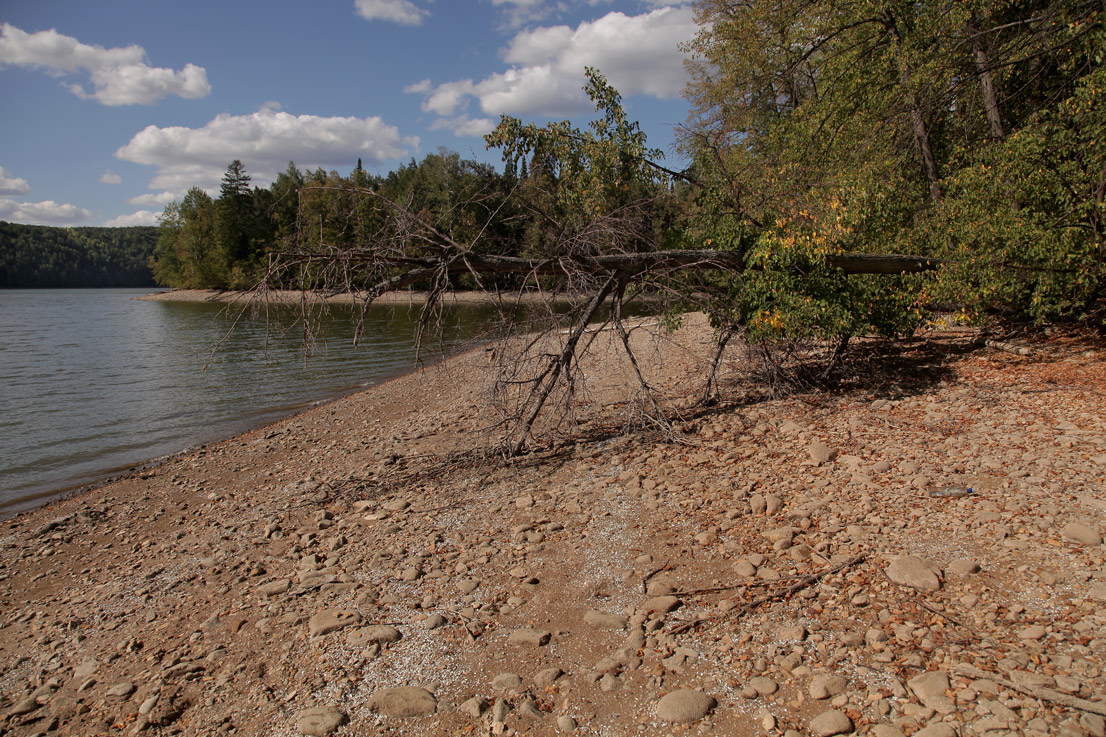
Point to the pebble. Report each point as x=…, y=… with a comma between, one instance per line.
x=402, y=702
x=121, y=690
x=529, y=637
x=1081, y=533
x=764, y=686
x=319, y=721
x=566, y=723
x=827, y=686
x=915, y=572
x=685, y=705
x=605, y=621
x=830, y=723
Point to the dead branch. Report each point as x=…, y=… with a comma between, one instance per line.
x=1037, y=692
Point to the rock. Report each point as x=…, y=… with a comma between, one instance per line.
x=329, y=620
x=660, y=604
x=474, y=707
x=528, y=637
x=121, y=690
x=827, y=686
x=507, y=681
x=379, y=634
x=566, y=723
x=685, y=705
x=468, y=585
x=745, y=568
x=274, y=588
x=764, y=686
x=547, y=677
x=758, y=504
x=939, y=729
x=915, y=572
x=434, y=621
x=604, y=621
x=821, y=453
x=963, y=567
x=830, y=723
x=1032, y=632
x=1081, y=533
x=23, y=706
x=402, y=702
x=320, y=720
x=930, y=688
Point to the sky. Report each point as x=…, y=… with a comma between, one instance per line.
x=113, y=109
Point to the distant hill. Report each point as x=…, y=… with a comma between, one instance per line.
x=33, y=256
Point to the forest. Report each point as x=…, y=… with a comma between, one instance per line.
x=38, y=256
x=967, y=139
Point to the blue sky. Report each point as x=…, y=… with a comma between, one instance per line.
x=111, y=109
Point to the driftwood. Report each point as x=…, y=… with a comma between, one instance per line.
x=802, y=583
x=1037, y=692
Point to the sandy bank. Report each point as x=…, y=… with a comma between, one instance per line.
x=295, y=297
x=777, y=564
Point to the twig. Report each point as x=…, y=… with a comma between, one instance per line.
x=922, y=603
x=655, y=571
x=778, y=594
x=1037, y=692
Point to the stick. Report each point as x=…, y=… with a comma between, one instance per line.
x=1037, y=692
x=779, y=594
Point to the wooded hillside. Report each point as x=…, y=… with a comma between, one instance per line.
x=36, y=256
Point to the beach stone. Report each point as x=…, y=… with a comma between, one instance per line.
x=660, y=604
x=529, y=637
x=821, y=453
x=434, y=621
x=764, y=686
x=1032, y=632
x=121, y=690
x=758, y=504
x=566, y=723
x=379, y=634
x=930, y=688
x=830, y=723
x=507, y=681
x=403, y=702
x=474, y=707
x=915, y=572
x=745, y=568
x=605, y=621
x=1081, y=533
x=468, y=585
x=938, y=729
x=320, y=720
x=963, y=567
x=274, y=588
x=685, y=705
x=827, y=686
x=329, y=620
x=547, y=677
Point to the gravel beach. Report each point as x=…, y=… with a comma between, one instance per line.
x=776, y=566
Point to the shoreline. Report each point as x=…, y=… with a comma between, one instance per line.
x=371, y=566
x=287, y=296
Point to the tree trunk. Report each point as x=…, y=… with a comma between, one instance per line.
x=986, y=82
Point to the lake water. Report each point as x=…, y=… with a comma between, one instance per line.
x=93, y=381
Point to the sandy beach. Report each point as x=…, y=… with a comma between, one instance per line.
x=774, y=566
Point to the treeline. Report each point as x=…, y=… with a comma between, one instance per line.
x=37, y=256
x=225, y=242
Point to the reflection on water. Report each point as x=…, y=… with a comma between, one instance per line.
x=93, y=381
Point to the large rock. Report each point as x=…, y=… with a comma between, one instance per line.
x=329, y=620
x=685, y=705
x=1081, y=533
x=916, y=572
x=378, y=634
x=930, y=689
x=320, y=720
x=528, y=637
x=403, y=702
x=830, y=723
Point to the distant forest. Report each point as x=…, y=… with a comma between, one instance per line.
x=38, y=256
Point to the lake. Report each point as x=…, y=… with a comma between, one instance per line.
x=93, y=382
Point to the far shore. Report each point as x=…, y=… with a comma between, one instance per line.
x=292, y=296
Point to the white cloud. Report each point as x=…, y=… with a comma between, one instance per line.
x=119, y=76
x=12, y=185
x=404, y=12
x=465, y=127
x=110, y=177
x=264, y=141
x=639, y=55
x=43, y=213
x=142, y=217
x=154, y=199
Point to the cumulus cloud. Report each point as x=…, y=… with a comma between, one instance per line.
x=119, y=76
x=639, y=55
x=110, y=177
x=404, y=12
x=465, y=127
x=142, y=217
x=264, y=141
x=43, y=213
x=155, y=199
x=12, y=185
